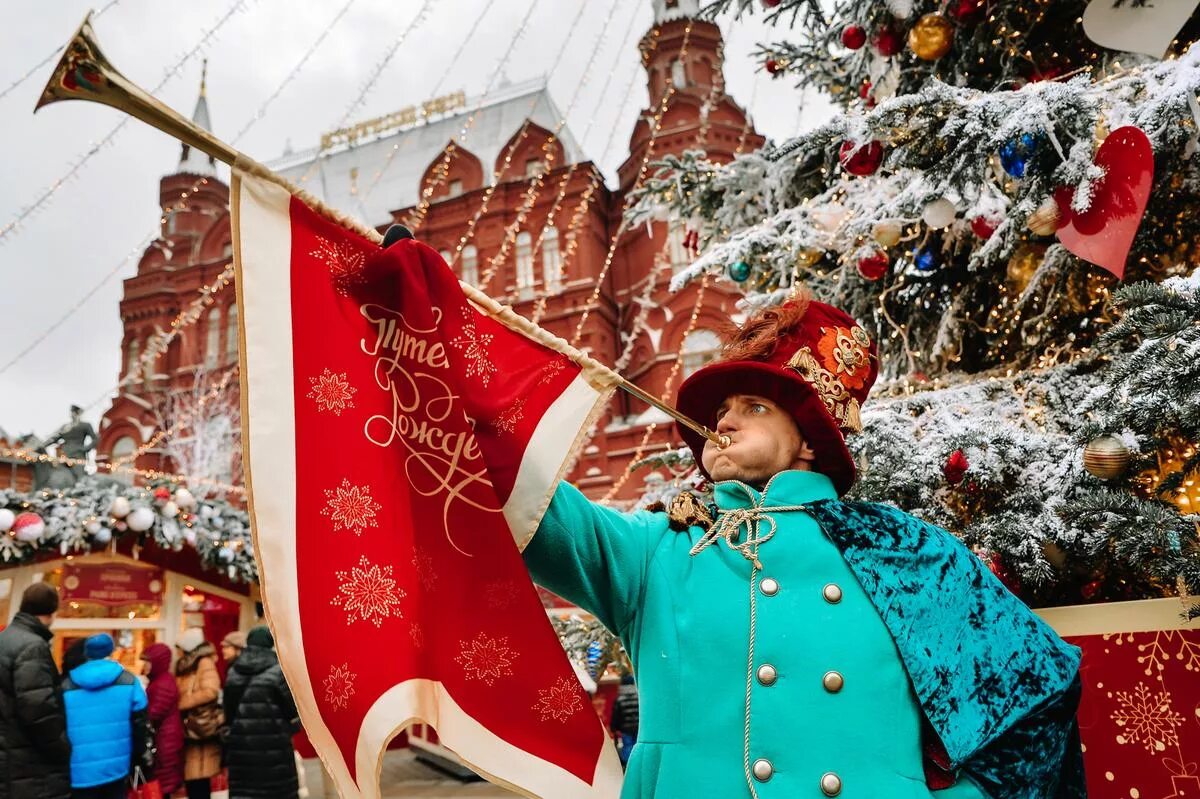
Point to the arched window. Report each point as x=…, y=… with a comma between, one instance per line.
x=470, y=265
x=699, y=347
x=212, y=346
x=680, y=257
x=525, y=276
x=231, y=335
x=122, y=448
x=131, y=358
x=678, y=74
x=446, y=255
x=551, y=261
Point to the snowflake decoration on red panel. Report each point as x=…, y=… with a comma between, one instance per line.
x=474, y=346
x=418, y=635
x=339, y=686
x=486, y=658
x=368, y=593
x=426, y=573
x=507, y=421
x=351, y=507
x=560, y=701
x=332, y=392
x=500, y=594
x=344, y=261
x=552, y=370
x=1147, y=719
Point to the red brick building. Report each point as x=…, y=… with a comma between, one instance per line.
x=426, y=171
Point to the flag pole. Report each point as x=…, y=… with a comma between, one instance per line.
x=84, y=73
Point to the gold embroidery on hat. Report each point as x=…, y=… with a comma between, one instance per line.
x=833, y=394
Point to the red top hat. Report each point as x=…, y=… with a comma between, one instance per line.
x=810, y=358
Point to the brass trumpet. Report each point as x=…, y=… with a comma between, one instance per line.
x=83, y=73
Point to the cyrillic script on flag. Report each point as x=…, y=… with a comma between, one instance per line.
x=402, y=445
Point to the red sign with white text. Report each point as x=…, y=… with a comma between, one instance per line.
x=111, y=584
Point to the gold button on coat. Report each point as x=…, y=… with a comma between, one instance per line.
x=831, y=784
x=767, y=674
x=769, y=586
x=762, y=769
x=833, y=681
x=832, y=593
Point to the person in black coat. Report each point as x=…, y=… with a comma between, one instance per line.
x=262, y=719
x=35, y=756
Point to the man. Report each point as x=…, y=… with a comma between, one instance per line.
x=34, y=753
x=788, y=644
x=106, y=722
x=624, y=719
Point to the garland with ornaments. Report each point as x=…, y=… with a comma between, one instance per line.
x=96, y=512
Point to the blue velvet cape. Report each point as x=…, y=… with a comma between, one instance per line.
x=998, y=687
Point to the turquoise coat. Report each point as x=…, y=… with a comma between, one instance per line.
x=787, y=680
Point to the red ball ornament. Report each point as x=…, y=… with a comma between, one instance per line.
x=997, y=567
x=771, y=3
x=773, y=66
x=860, y=160
x=968, y=12
x=874, y=265
x=1091, y=589
x=163, y=493
x=983, y=227
x=854, y=36
x=956, y=466
x=887, y=41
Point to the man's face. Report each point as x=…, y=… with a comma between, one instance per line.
x=764, y=441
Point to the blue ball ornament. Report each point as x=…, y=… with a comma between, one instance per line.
x=594, y=651
x=926, y=259
x=1016, y=153
x=739, y=271
x=225, y=555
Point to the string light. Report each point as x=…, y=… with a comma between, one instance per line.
x=29, y=456
x=16, y=223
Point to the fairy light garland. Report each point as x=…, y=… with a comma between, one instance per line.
x=656, y=128
x=17, y=222
x=29, y=456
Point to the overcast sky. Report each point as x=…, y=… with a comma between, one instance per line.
x=96, y=220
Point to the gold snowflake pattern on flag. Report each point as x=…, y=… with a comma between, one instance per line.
x=426, y=573
x=1147, y=719
x=552, y=370
x=332, y=392
x=351, y=507
x=560, y=701
x=368, y=593
x=339, y=686
x=344, y=261
x=418, y=635
x=507, y=421
x=486, y=658
x=500, y=594
x=474, y=346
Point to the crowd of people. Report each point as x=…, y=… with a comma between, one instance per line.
x=95, y=729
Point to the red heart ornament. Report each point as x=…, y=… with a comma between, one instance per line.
x=1103, y=234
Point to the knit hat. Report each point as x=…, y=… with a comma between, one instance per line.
x=810, y=358
x=39, y=599
x=98, y=646
x=191, y=639
x=235, y=639
x=260, y=636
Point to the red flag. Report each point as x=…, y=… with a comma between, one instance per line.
x=401, y=445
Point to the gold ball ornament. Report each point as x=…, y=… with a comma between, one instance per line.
x=930, y=38
x=1106, y=457
x=1044, y=221
x=809, y=256
x=887, y=233
x=1023, y=264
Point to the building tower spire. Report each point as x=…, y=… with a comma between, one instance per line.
x=667, y=10
x=192, y=161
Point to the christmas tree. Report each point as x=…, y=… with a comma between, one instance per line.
x=1008, y=207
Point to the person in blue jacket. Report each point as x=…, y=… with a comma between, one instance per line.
x=789, y=644
x=106, y=722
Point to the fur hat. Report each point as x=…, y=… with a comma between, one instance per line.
x=260, y=636
x=810, y=358
x=39, y=599
x=99, y=646
x=191, y=639
x=235, y=639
